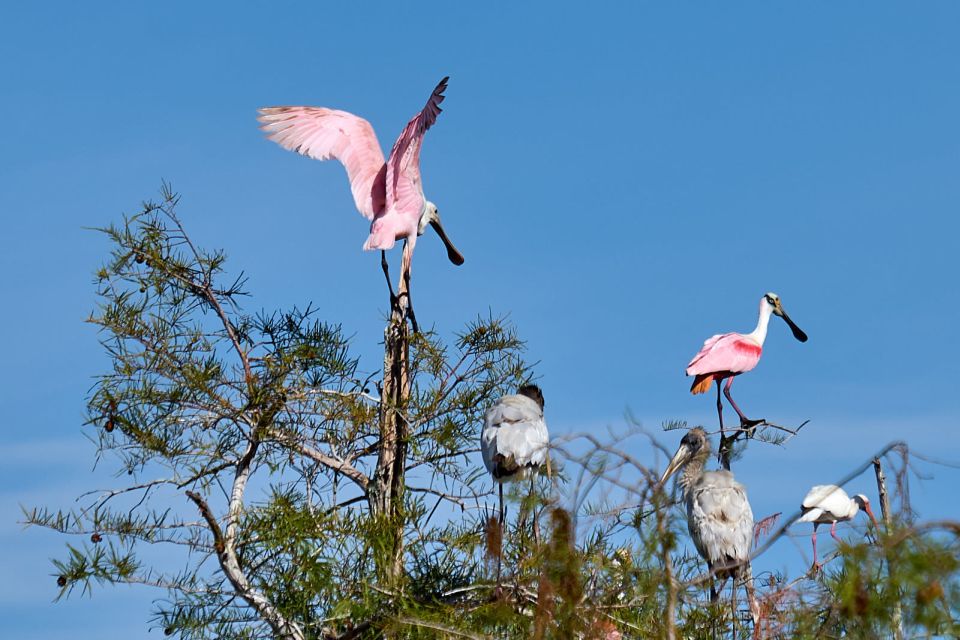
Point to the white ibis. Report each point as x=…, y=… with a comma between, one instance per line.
x=828, y=503
x=719, y=517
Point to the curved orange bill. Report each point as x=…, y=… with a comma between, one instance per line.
x=797, y=331
x=455, y=256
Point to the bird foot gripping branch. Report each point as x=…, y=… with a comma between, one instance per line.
x=725, y=356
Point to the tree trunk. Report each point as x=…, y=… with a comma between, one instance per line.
x=897, y=620
x=386, y=490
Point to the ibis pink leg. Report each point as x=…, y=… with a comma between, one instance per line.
x=833, y=532
x=814, y=539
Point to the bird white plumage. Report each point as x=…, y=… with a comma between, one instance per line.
x=828, y=503
x=515, y=438
x=513, y=442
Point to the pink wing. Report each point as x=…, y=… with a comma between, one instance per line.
x=327, y=133
x=725, y=352
x=404, y=188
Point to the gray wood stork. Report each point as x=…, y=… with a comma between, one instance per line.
x=719, y=517
x=514, y=442
x=828, y=503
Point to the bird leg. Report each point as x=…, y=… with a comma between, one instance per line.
x=386, y=273
x=816, y=565
x=751, y=595
x=745, y=422
x=723, y=452
x=405, y=283
x=733, y=606
x=500, y=550
x=720, y=410
x=833, y=532
x=410, y=313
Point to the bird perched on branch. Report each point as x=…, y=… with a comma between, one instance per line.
x=387, y=192
x=719, y=517
x=828, y=503
x=727, y=355
x=515, y=441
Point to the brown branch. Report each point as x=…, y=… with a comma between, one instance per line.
x=897, y=616
x=338, y=466
x=206, y=289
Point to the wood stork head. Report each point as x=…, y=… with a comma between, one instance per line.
x=431, y=216
x=773, y=300
x=863, y=502
x=533, y=392
x=694, y=447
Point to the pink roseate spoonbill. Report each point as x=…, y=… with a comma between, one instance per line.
x=828, y=503
x=727, y=355
x=719, y=517
x=388, y=193
x=514, y=442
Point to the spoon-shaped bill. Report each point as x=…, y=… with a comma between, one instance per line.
x=797, y=331
x=455, y=256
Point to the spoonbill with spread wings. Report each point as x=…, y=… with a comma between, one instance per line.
x=387, y=192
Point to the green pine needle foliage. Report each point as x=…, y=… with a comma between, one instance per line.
x=245, y=445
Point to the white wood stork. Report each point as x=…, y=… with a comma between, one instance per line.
x=515, y=441
x=719, y=517
x=828, y=503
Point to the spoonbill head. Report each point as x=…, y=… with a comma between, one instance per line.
x=829, y=504
x=773, y=300
x=431, y=217
x=727, y=355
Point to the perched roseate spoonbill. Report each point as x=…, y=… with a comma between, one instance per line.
x=829, y=503
x=727, y=355
x=389, y=193
x=719, y=517
x=514, y=442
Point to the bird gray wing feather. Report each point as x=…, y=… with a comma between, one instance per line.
x=720, y=518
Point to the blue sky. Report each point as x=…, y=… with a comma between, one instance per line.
x=623, y=181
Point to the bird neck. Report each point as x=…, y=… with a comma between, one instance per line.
x=759, y=334
x=693, y=470
x=854, y=508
